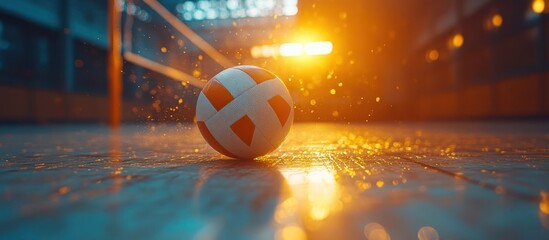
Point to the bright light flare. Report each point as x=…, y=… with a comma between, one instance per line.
x=291, y=49
x=256, y=52
x=318, y=48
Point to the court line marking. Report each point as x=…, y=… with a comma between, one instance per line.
x=492, y=187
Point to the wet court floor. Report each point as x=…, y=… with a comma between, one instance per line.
x=327, y=181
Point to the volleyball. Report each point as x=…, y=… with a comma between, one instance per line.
x=244, y=112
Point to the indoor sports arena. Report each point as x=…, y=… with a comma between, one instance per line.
x=274, y=119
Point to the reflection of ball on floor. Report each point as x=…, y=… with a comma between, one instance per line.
x=244, y=112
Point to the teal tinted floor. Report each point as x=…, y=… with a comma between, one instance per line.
x=327, y=181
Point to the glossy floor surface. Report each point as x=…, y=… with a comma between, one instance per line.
x=327, y=181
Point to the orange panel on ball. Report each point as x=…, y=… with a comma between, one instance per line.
x=217, y=94
x=281, y=108
x=257, y=74
x=211, y=139
x=244, y=128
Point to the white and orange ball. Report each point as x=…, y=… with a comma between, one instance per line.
x=244, y=112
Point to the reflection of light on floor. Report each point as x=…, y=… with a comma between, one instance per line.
x=316, y=188
x=286, y=216
x=315, y=195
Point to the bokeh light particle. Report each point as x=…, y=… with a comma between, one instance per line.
x=375, y=231
x=538, y=6
x=427, y=233
x=432, y=55
x=457, y=40
x=544, y=203
x=497, y=20
x=380, y=183
x=292, y=232
x=196, y=73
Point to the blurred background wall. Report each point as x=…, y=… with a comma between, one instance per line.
x=391, y=60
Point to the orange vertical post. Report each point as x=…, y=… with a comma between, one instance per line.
x=114, y=64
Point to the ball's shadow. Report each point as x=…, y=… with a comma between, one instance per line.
x=237, y=199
